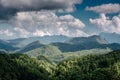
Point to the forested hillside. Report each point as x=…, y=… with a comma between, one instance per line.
x=90, y=67
x=22, y=67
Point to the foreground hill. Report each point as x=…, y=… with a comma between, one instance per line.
x=90, y=67
x=22, y=67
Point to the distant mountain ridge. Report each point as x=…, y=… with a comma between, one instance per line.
x=79, y=43
x=6, y=46
x=63, y=43
x=111, y=37
x=31, y=46
x=22, y=42
x=88, y=40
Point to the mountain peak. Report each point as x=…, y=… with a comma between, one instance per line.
x=88, y=40
x=31, y=46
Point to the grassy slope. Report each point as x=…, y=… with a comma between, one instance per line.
x=54, y=54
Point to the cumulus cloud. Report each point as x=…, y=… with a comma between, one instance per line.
x=107, y=24
x=37, y=4
x=9, y=8
x=105, y=8
x=47, y=23
x=6, y=33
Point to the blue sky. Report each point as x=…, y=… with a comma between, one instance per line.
x=55, y=17
x=84, y=15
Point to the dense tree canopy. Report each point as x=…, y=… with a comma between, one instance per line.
x=91, y=67
x=22, y=67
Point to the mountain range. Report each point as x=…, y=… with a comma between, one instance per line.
x=59, y=58
x=22, y=42
x=62, y=43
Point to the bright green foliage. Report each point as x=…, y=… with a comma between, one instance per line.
x=102, y=67
x=22, y=67
x=48, y=50
x=54, y=54
x=91, y=67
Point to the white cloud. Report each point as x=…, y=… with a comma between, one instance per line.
x=67, y=5
x=103, y=22
x=105, y=8
x=47, y=23
x=6, y=33
x=40, y=33
x=21, y=32
x=107, y=24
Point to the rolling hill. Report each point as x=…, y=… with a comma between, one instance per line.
x=31, y=46
x=91, y=67
x=47, y=50
x=22, y=67
x=6, y=46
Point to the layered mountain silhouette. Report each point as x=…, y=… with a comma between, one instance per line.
x=6, y=46
x=63, y=43
x=31, y=46
x=84, y=43
x=22, y=42
x=88, y=40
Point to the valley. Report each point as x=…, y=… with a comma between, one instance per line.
x=79, y=58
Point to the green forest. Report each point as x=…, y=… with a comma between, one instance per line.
x=90, y=67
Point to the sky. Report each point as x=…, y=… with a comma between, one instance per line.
x=74, y=18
